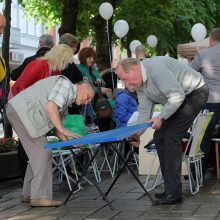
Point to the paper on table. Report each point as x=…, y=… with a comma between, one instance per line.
x=133, y=118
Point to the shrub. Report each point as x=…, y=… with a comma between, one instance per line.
x=8, y=144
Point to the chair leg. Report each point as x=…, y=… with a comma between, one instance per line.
x=94, y=166
x=200, y=172
x=115, y=163
x=150, y=172
x=158, y=180
x=106, y=160
x=189, y=176
x=193, y=184
x=64, y=168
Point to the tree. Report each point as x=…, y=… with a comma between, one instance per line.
x=169, y=20
x=103, y=47
x=70, y=10
x=53, y=12
x=5, y=54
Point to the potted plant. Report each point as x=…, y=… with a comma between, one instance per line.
x=9, y=163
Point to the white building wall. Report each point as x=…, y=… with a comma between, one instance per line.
x=25, y=34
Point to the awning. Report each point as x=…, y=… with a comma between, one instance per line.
x=189, y=50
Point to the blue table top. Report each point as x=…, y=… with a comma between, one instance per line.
x=114, y=135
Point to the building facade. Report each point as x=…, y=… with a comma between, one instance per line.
x=24, y=36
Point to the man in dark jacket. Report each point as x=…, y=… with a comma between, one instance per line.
x=45, y=44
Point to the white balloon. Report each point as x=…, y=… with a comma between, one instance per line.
x=106, y=10
x=133, y=45
x=152, y=41
x=121, y=28
x=198, y=32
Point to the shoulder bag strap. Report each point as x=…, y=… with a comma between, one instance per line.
x=99, y=89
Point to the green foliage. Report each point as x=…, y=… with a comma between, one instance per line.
x=44, y=11
x=169, y=20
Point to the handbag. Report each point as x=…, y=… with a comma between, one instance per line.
x=103, y=108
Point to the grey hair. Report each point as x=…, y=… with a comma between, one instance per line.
x=87, y=85
x=126, y=63
x=46, y=40
x=68, y=39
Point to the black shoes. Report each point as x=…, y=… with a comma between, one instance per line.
x=168, y=199
x=160, y=195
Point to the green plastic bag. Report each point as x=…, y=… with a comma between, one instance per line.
x=75, y=123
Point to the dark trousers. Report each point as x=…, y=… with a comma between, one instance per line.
x=206, y=142
x=169, y=136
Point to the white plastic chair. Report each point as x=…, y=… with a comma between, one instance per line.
x=62, y=158
x=193, y=159
x=152, y=183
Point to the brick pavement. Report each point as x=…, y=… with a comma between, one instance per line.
x=87, y=203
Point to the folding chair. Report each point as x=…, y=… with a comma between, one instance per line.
x=134, y=160
x=111, y=160
x=152, y=183
x=108, y=163
x=193, y=159
x=192, y=155
x=149, y=163
x=62, y=158
x=91, y=129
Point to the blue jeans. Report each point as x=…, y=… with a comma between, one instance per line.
x=206, y=142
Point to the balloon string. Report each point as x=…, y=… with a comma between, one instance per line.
x=120, y=50
x=197, y=46
x=110, y=56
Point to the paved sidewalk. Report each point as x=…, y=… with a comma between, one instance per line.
x=87, y=204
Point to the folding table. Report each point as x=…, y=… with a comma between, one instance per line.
x=119, y=135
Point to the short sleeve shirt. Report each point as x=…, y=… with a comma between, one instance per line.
x=63, y=94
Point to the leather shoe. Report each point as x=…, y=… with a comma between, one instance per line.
x=45, y=203
x=169, y=200
x=160, y=195
x=25, y=198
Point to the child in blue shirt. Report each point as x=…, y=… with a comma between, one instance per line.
x=125, y=106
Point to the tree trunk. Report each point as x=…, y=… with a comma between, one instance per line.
x=70, y=9
x=5, y=54
x=103, y=47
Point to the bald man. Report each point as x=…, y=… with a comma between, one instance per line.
x=183, y=93
x=33, y=113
